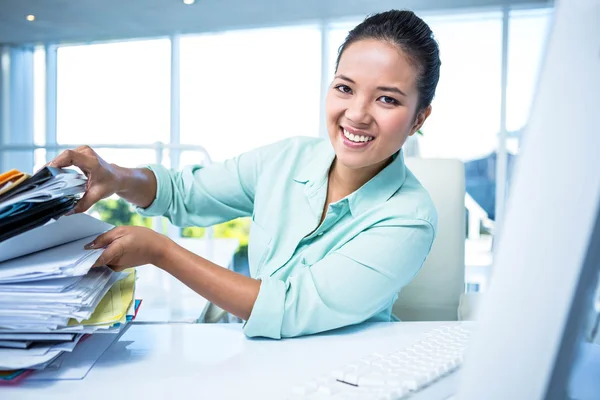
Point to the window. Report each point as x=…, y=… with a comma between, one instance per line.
x=244, y=89
x=466, y=110
x=115, y=93
x=528, y=32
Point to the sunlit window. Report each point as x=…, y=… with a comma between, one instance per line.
x=244, y=89
x=528, y=34
x=115, y=93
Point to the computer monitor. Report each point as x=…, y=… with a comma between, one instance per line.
x=534, y=316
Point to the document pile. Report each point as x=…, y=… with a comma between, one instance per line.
x=50, y=297
x=28, y=202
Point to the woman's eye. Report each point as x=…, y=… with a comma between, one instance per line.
x=344, y=89
x=388, y=100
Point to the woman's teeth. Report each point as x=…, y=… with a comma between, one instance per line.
x=357, y=138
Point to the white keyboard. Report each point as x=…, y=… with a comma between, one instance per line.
x=397, y=375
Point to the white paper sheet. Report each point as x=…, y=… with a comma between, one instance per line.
x=63, y=230
x=37, y=337
x=48, y=286
x=19, y=361
x=77, y=364
x=70, y=259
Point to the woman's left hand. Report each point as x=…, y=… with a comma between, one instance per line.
x=129, y=246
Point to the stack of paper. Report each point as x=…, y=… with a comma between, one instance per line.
x=48, y=289
x=50, y=296
x=35, y=347
x=28, y=202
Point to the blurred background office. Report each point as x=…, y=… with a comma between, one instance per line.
x=181, y=82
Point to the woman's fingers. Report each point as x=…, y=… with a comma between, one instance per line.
x=100, y=179
x=91, y=197
x=72, y=157
x=109, y=241
x=113, y=252
x=106, y=238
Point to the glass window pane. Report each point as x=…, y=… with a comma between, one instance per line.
x=39, y=159
x=465, y=120
x=528, y=32
x=244, y=89
x=192, y=158
x=129, y=158
x=114, y=92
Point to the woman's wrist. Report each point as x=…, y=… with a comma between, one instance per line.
x=122, y=179
x=163, y=251
x=136, y=185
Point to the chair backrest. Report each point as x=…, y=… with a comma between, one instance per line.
x=434, y=294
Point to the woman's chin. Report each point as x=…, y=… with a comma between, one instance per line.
x=352, y=161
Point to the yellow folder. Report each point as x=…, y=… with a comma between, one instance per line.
x=114, y=305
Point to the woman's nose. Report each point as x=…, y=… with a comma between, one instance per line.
x=358, y=112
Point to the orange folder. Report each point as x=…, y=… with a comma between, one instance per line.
x=11, y=179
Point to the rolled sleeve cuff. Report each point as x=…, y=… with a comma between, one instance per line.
x=164, y=193
x=266, y=317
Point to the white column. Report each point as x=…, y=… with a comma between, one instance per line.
x=20, y=107
x=324, y=77
x=51, y=99
x=175, y=136
x=4, y=104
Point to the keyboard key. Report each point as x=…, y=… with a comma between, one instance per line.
x=351, y=378
x=338, y=374
x=372, y=379
x=329, y=388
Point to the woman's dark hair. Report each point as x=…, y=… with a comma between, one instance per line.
x=413, y=36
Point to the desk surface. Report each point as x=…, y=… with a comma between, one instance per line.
x=216, y=361
x=168, y=300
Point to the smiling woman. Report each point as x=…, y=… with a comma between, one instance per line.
x=338, y=227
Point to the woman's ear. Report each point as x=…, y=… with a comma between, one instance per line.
x=420, y=120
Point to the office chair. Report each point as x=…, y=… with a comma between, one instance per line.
x=435, y=292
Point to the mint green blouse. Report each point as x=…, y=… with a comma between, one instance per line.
x=314, y=278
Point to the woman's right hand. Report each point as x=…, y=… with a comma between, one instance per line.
x=104, y=179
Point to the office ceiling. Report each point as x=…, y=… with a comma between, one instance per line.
x=60, y=21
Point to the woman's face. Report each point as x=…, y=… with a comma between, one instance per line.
x=371, y=104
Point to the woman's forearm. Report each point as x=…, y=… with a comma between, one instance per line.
x=233, y=292
x=137, y=185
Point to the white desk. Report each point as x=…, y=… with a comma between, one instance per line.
x=216, y=361
x=165, y=299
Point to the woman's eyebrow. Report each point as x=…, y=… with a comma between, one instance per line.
x=391, y=89
x=345, y=78
x=382, y=88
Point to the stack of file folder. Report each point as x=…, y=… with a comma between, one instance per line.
x=27, y=202
x=50, y=296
